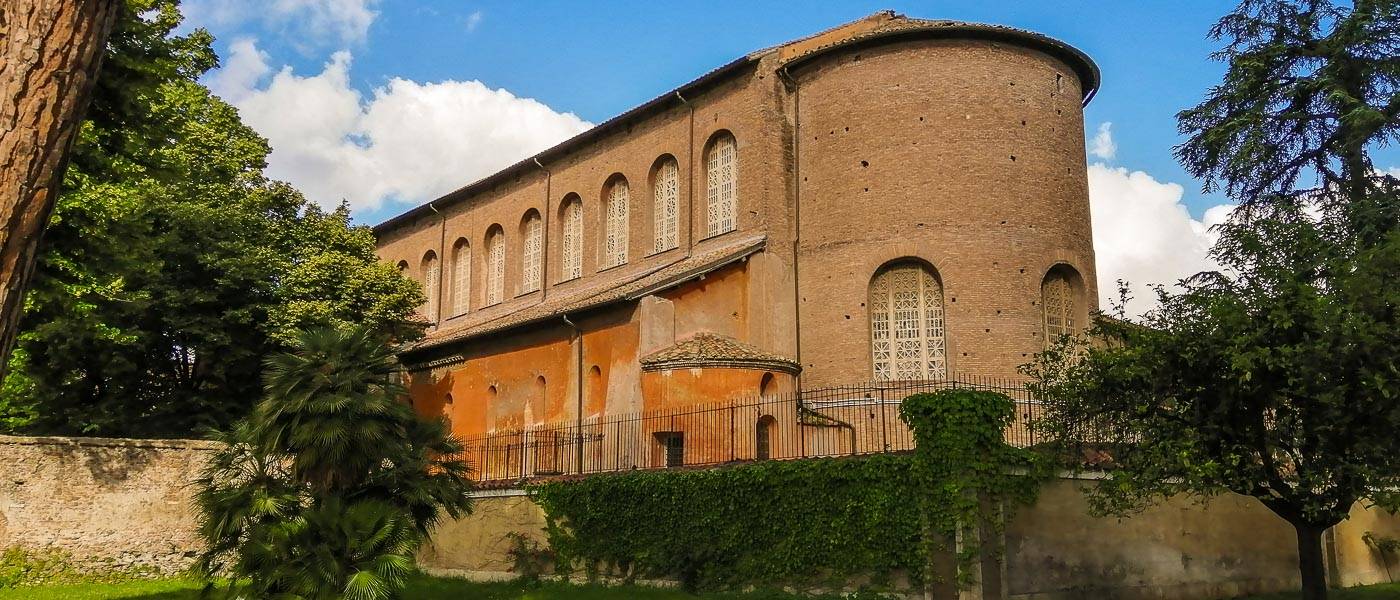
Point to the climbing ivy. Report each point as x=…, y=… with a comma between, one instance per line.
x=969, y=475
x=804, y=523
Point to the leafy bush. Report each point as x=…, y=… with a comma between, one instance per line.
x=969, y=476
x=328, y=488
x=801, y=522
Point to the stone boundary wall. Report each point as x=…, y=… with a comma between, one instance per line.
x=120, y=504
x=1178, y=550
x=111, y=504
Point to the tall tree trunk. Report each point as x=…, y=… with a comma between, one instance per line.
x=1310, y=562
x=50, y=51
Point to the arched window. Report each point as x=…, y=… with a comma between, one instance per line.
x=721, y=173
x=763, y=437
x=461, y=276
x=1057, y=303
x=666, y=214
x=906, y=324
x=403, y=267
x=495, y=265
x=615, y=229
x=431, y=277
x=571, y=259
x=532, y=250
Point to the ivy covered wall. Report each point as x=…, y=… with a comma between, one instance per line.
x=810, y=523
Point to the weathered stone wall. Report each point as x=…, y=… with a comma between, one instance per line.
x=127, y=503
x=1179, y=550
x=110, y=504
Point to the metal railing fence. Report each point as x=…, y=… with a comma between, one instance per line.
x=825, y=422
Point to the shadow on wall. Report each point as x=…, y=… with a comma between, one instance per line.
x=110, y=465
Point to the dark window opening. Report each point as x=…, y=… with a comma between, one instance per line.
x=673, y=443
x=763, y=444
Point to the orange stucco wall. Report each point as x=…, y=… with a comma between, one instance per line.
x=529, y=379
x=680, y=388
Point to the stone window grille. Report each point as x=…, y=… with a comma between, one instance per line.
x=1057, y=302
x=495, y=268
x=573, y=240
x=667, y=210
x=430, y=286
x=461, y=277
x=615, y=238
x=533, y=252
x=721, y=168
x=907, y=334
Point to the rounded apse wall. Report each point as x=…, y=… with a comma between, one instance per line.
x=964, y=155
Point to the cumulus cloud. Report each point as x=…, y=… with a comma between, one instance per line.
x=1144, y=235
x=408, y=141
x=241, y=72
x=1102, y=145
x=310, y=22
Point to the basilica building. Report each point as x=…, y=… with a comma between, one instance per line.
x=893, y=199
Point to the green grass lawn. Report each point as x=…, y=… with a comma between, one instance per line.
x=1370, y=592
x=428, y=588
x=422, y=588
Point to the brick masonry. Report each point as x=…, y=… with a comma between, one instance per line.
x=886, y=139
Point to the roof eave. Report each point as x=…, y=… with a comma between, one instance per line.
x=533, y=162
x=1083, y=66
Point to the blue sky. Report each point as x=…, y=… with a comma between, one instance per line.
x=390, y=103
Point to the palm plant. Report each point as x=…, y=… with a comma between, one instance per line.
x=332, y=482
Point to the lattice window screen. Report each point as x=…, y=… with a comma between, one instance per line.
x=667, y=209
x=431, y=276
x=573, y=240
x=461, y=277
x=615, y=240
x=907, y=334
x=1057, y=300
x=495, y=268
x=533, y=252
x=720, y=196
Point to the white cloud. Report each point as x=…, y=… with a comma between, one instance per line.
x=310, y=23
x=240, y=73
x=1103, y=146
x=473, y=20
x=1144, y=235
x=410, y=141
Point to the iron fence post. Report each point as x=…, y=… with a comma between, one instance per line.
x=884, y=434
x=801, y=430
x=732, y=455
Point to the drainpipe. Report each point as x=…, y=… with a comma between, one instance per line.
x=544, y=241
x=791, y=84
x=689, y=179
x=578, y=390
x=442, y=265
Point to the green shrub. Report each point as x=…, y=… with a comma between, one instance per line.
x=805, y=523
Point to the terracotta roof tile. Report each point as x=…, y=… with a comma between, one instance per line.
x=715, y=350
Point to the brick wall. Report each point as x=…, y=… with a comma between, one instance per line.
x=111, y=504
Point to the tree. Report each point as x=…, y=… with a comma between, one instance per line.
x=49, y=57
x=1276, y=376
x=173, y=266
x=329, y=486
